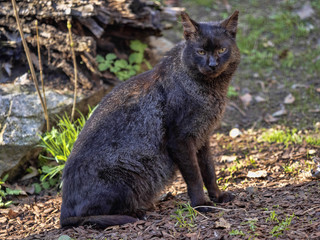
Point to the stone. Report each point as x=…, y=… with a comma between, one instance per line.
x=159, y=47
x=22, y=120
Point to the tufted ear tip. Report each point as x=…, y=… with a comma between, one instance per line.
x=231, y=23
x=190, y=27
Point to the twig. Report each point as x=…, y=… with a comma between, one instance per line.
x=26, y=49
x=41, y=78
x=75, y=70
x=310, y=210
x=224, y=209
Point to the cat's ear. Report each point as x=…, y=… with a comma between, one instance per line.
x=190, y=27
x=231, y=23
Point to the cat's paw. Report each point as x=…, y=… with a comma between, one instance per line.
x=205, y=207
x=140, y=214
x=223, y=197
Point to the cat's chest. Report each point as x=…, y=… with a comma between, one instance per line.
x=196, y=114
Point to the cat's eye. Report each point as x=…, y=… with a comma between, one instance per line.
x=201, y=52
x=222, y=50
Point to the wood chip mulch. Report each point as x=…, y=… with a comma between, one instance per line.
x=261, y=210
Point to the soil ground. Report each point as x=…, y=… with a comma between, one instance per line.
x=262, y=204
x=280, y=56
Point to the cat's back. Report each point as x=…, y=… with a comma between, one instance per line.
x=128, y=116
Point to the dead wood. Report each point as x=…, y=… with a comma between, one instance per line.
x=97, y=27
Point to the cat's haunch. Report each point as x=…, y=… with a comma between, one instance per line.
x=150, y=127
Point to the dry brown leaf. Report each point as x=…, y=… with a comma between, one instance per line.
x=259, y=99
x=222, y=223
x=246, y=99
x=270, y=119
x=12, y=214
x=289, y=99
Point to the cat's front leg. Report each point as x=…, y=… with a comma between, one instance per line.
x=185, y=156
x=208, y=173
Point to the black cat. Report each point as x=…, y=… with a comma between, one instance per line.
x=151, y=126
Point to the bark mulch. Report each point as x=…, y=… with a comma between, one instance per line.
x=275, y=199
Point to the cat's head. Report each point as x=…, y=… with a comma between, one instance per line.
x=210, y=46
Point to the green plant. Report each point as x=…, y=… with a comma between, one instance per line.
x=5, y=192
x=291, y=169
x=185, y=216
x=252, y=226
x=281, y=136
x=232, y=92
x=273, y=217
x=122, y=68
x=235, y=232
x=252, y=162
x=58, y=144
x=281, y=227
x=313, y=140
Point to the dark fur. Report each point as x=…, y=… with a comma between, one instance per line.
x=149, y=127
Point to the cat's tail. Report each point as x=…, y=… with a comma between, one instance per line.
x=100, y=221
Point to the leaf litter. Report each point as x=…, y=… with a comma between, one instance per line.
x=285, y=190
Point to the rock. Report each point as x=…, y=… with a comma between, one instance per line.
x=159, y=46
x=225, y=158
x=257, y=174
x=235, y=132
x=22, y=120
x=306, y=11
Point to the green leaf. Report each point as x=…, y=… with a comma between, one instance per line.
x=135, y=58
x=45, y=185
x=103, y=66
x=52, y=181
x=46, y=169
x=111, y=56
x=10, y=191
x=114, y=69
x=136, y=67
x=132, y=72
x=37, y=188
x=121, y=63
x=138, y=46
x=5, y=178
x=148, y=64
x=100, y=59
x=64, y=237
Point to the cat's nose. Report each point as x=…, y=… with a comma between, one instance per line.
x=212, y=62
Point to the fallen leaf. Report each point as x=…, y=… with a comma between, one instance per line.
x=306, y=11
x=279, y=113
x=289, y=99
x=314, y=110
x=3, y=219
x=225, y=158
x=222, y=223
x=312, y=151
x=298, y=85
x=12, y=214
x=257, y=174
x=246, y=99
x=235, y=132
x=270, y=119
x=259, y=99
x=34, y=172
x=316, y=172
